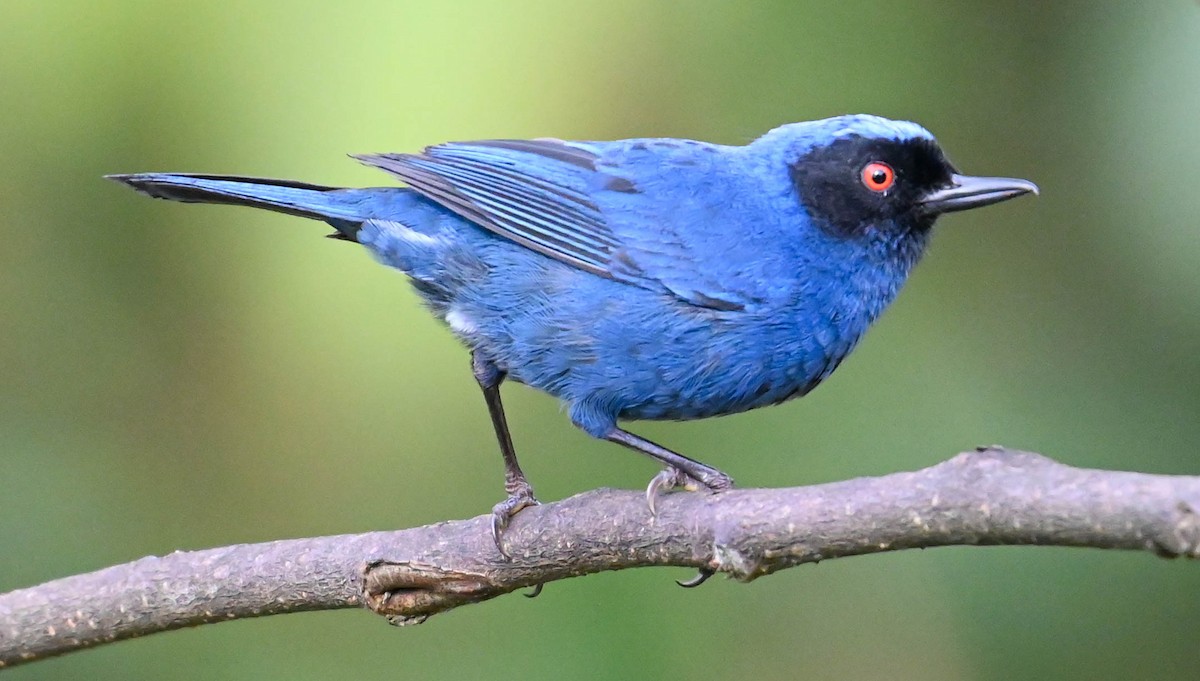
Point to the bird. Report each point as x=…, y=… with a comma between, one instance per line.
x=645, y=278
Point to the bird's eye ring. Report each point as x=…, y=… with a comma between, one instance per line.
x=878, y=176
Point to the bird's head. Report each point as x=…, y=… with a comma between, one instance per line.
x=863, y=176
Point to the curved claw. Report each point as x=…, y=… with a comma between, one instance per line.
x=537, y=590
x=667, y=478
x=503, y=512
x=499, y=522
x=700, y=578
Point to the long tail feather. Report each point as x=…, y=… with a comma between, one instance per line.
x=284, y=196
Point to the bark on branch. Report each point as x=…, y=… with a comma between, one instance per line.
x=991, y=496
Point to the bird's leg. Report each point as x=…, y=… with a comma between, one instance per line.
x=520, y=492
x=680, y=471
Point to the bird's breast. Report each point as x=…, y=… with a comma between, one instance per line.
x=740, y=360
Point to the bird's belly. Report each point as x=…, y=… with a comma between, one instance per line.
x=644, y=355
x=730, y=377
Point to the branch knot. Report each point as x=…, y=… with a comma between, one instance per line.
x=408, y=592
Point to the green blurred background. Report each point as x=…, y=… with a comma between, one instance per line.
x=179, y=377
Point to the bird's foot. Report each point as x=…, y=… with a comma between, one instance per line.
x=520, y=495
x=671, y=478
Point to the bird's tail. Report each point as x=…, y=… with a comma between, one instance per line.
x=284, y=196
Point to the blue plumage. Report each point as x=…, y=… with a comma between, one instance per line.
x=645, y=278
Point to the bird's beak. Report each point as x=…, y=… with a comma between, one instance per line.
x=967, y=192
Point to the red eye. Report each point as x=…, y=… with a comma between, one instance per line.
x=878, y=177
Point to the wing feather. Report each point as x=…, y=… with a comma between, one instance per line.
x=535, y=192
x=547, y=195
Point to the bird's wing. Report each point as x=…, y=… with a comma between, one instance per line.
x=652, y=213
x=536, y=193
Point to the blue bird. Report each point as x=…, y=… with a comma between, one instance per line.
x=644, y=278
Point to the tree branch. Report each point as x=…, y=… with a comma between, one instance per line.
x=991, y=496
